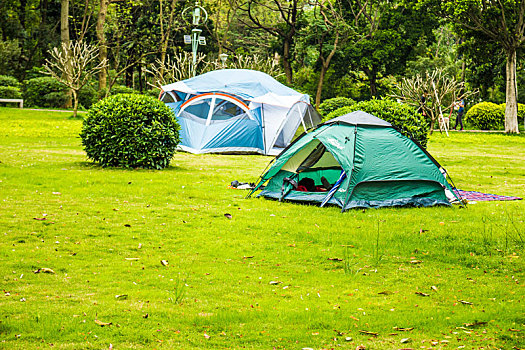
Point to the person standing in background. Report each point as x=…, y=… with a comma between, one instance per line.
x=461, y=110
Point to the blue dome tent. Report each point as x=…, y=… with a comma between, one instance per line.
x=237, y=111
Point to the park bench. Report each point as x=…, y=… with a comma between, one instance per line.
x=14, y=100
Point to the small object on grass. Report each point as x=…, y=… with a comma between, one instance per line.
x=405, y=340
x=335, y=259
x=423, y=294
x=127, y=225
x=374, y=334
x=102, y=324
x=40, y=219
x=348, y=339
x=248, y=257
x=476, y=323
x=44, y=270
x=206, y=336
x=164, y=262
x=275, y=282
x=145, y=316
x=121, y=296
x=401, y=329
x=132, y=259
x=434, y=288
x=228, y=216
x=465, y=302
x=386, y=292
x=415, y=261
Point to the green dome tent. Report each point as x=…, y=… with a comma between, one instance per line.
x=357, y=161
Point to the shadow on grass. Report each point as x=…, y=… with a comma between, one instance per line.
x=86, y=165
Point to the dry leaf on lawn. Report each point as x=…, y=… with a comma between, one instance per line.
x=102, y=324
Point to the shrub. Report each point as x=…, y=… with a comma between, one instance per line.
x=121, y=89
x=331, y=104
x=486, y=116
x=130, y=131
x=10, y=92
x=7, y=80
x=401, y=116
x=87, y=96
x=44, y=92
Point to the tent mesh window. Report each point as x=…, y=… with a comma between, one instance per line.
x=197, y=111
x=224, y=110
x=169, y=97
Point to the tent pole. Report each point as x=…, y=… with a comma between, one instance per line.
x=259, y=180
x=347, y=197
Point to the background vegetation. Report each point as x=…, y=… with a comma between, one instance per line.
x=345, y=48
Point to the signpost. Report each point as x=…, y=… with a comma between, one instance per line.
x=198, y=16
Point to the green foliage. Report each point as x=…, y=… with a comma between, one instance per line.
x=44, y=92
x=9, y=54
x=330, y=105
x=121, y=89
x=401, y=116
x=87, y=96
x=10, y=92
x=486, y=116
x=7, y=80
x=131, y=131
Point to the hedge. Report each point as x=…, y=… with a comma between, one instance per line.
x=130, y=130
x=401, y=116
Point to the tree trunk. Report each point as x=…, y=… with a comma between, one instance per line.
x=511, y=107
x=102, y=45
x=23, y=5
x=64, y=37
x=286, y=61
x=64, y=21
x=324, y=68
x=129, y=77
x=75, y=103
x=432, y=123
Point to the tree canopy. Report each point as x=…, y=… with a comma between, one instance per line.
x=358, y=49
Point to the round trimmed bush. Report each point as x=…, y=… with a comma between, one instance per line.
x=7, y=80
x=401, y=116
x=331, y=104
x=44, y=92
x=130, y=131
x=486, y=116
x=10, y=92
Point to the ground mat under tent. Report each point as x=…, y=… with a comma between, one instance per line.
x=478, y=196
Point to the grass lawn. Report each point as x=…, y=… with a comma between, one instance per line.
x=275, y=275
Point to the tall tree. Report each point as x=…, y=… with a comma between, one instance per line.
x=388, y=33
x=499, y=21
x=64, y=21
x=280, y=18
x=328, y=31
x=102, y=43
